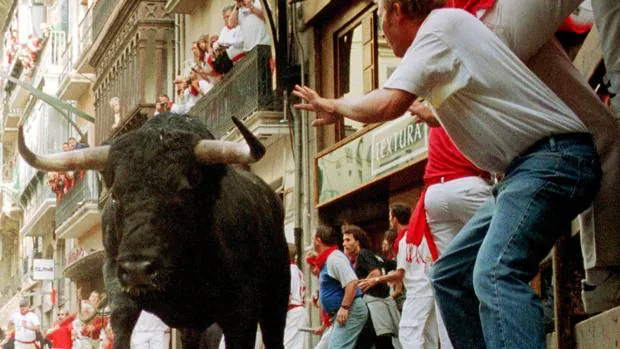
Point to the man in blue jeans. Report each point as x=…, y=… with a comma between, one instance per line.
x=339, y=295
x=504, y=119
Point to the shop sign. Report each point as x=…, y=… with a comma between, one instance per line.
x=375, y=154
x=42, y=269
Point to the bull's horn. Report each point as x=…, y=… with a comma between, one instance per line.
x=217, y=152
x=84, y=159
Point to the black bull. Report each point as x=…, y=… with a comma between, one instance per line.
x=187, y=236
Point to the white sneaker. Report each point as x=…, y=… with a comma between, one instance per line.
x=602, y=297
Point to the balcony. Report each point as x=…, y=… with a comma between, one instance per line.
x=182, y=6
x=132, y=59
x=40, y=207
x=48, y=62
x=73, y=84
x=85, y=41
x=101, y=13
x=9, y=124
x=77, y=211
x=245, y=92
x=84, y=264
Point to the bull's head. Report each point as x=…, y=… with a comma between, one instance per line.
x=161, y=177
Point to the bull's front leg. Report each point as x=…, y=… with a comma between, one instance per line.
x=124, y=312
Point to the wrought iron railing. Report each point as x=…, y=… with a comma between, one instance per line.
x=85, y=190
x=67, y=58
x=101, y=12
x=247, y=88
x=85, y=32
x=42, y=196
x=57, y=46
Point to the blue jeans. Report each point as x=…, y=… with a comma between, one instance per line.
x=481, y=281
x=346, y=336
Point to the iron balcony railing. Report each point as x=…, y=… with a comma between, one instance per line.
x=246, y=89
x=42, y=195
x=57, y=46
x=67, y=58
x=84, y=191
x=85, y=30
x=101, y=12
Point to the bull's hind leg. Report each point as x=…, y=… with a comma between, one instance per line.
x=272, y=325
x=240, y=333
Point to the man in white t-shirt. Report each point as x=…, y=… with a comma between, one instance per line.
x=150, y=333
x=249, y=15
x=504, y=119
x=26, y=325
x=296, y=317
x=231, y=38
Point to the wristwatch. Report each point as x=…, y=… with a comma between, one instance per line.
x=345, y=307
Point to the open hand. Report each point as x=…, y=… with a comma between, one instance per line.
x=323, y=107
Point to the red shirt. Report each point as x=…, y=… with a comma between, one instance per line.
x=471, y=6
x=445, y=160
x=61, y=337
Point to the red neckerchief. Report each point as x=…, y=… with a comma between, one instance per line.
x=322, y=257
x=418, y=228
x=193, y=90
x=399, y=237
x=471, y=6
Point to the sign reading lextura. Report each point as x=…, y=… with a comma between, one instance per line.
x=369, y=156
x=43, y=269
x=395, y=143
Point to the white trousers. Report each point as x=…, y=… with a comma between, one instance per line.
x=295, y=319
x=451, y=204
x=421, y=325
x=527, y=27
x=150, y=340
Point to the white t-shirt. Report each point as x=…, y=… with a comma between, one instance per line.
x=20, y=321
x=254, y=29
x=233, y=39
x=339, y=267
x=298, y=286
x=492, y=106
x=416, y=279
x=148, y=322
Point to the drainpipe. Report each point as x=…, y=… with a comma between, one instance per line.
x=297, y=194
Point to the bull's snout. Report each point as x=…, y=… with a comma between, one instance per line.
x=135, y=273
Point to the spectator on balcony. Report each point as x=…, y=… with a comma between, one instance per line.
x=198, y=87
x=249, y=15
x=115, y=104
x=227, y=49
x=162, y=105
x=56, y=181
x=180, y=85
x=204, y=58
x=73, y=144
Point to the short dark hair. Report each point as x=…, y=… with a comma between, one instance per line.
x=416, y=9
x=327, y=235
x=358, y=234
x=401, y=211
x=71, y=138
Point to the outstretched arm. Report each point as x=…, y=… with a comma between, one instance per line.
x=378, y=105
